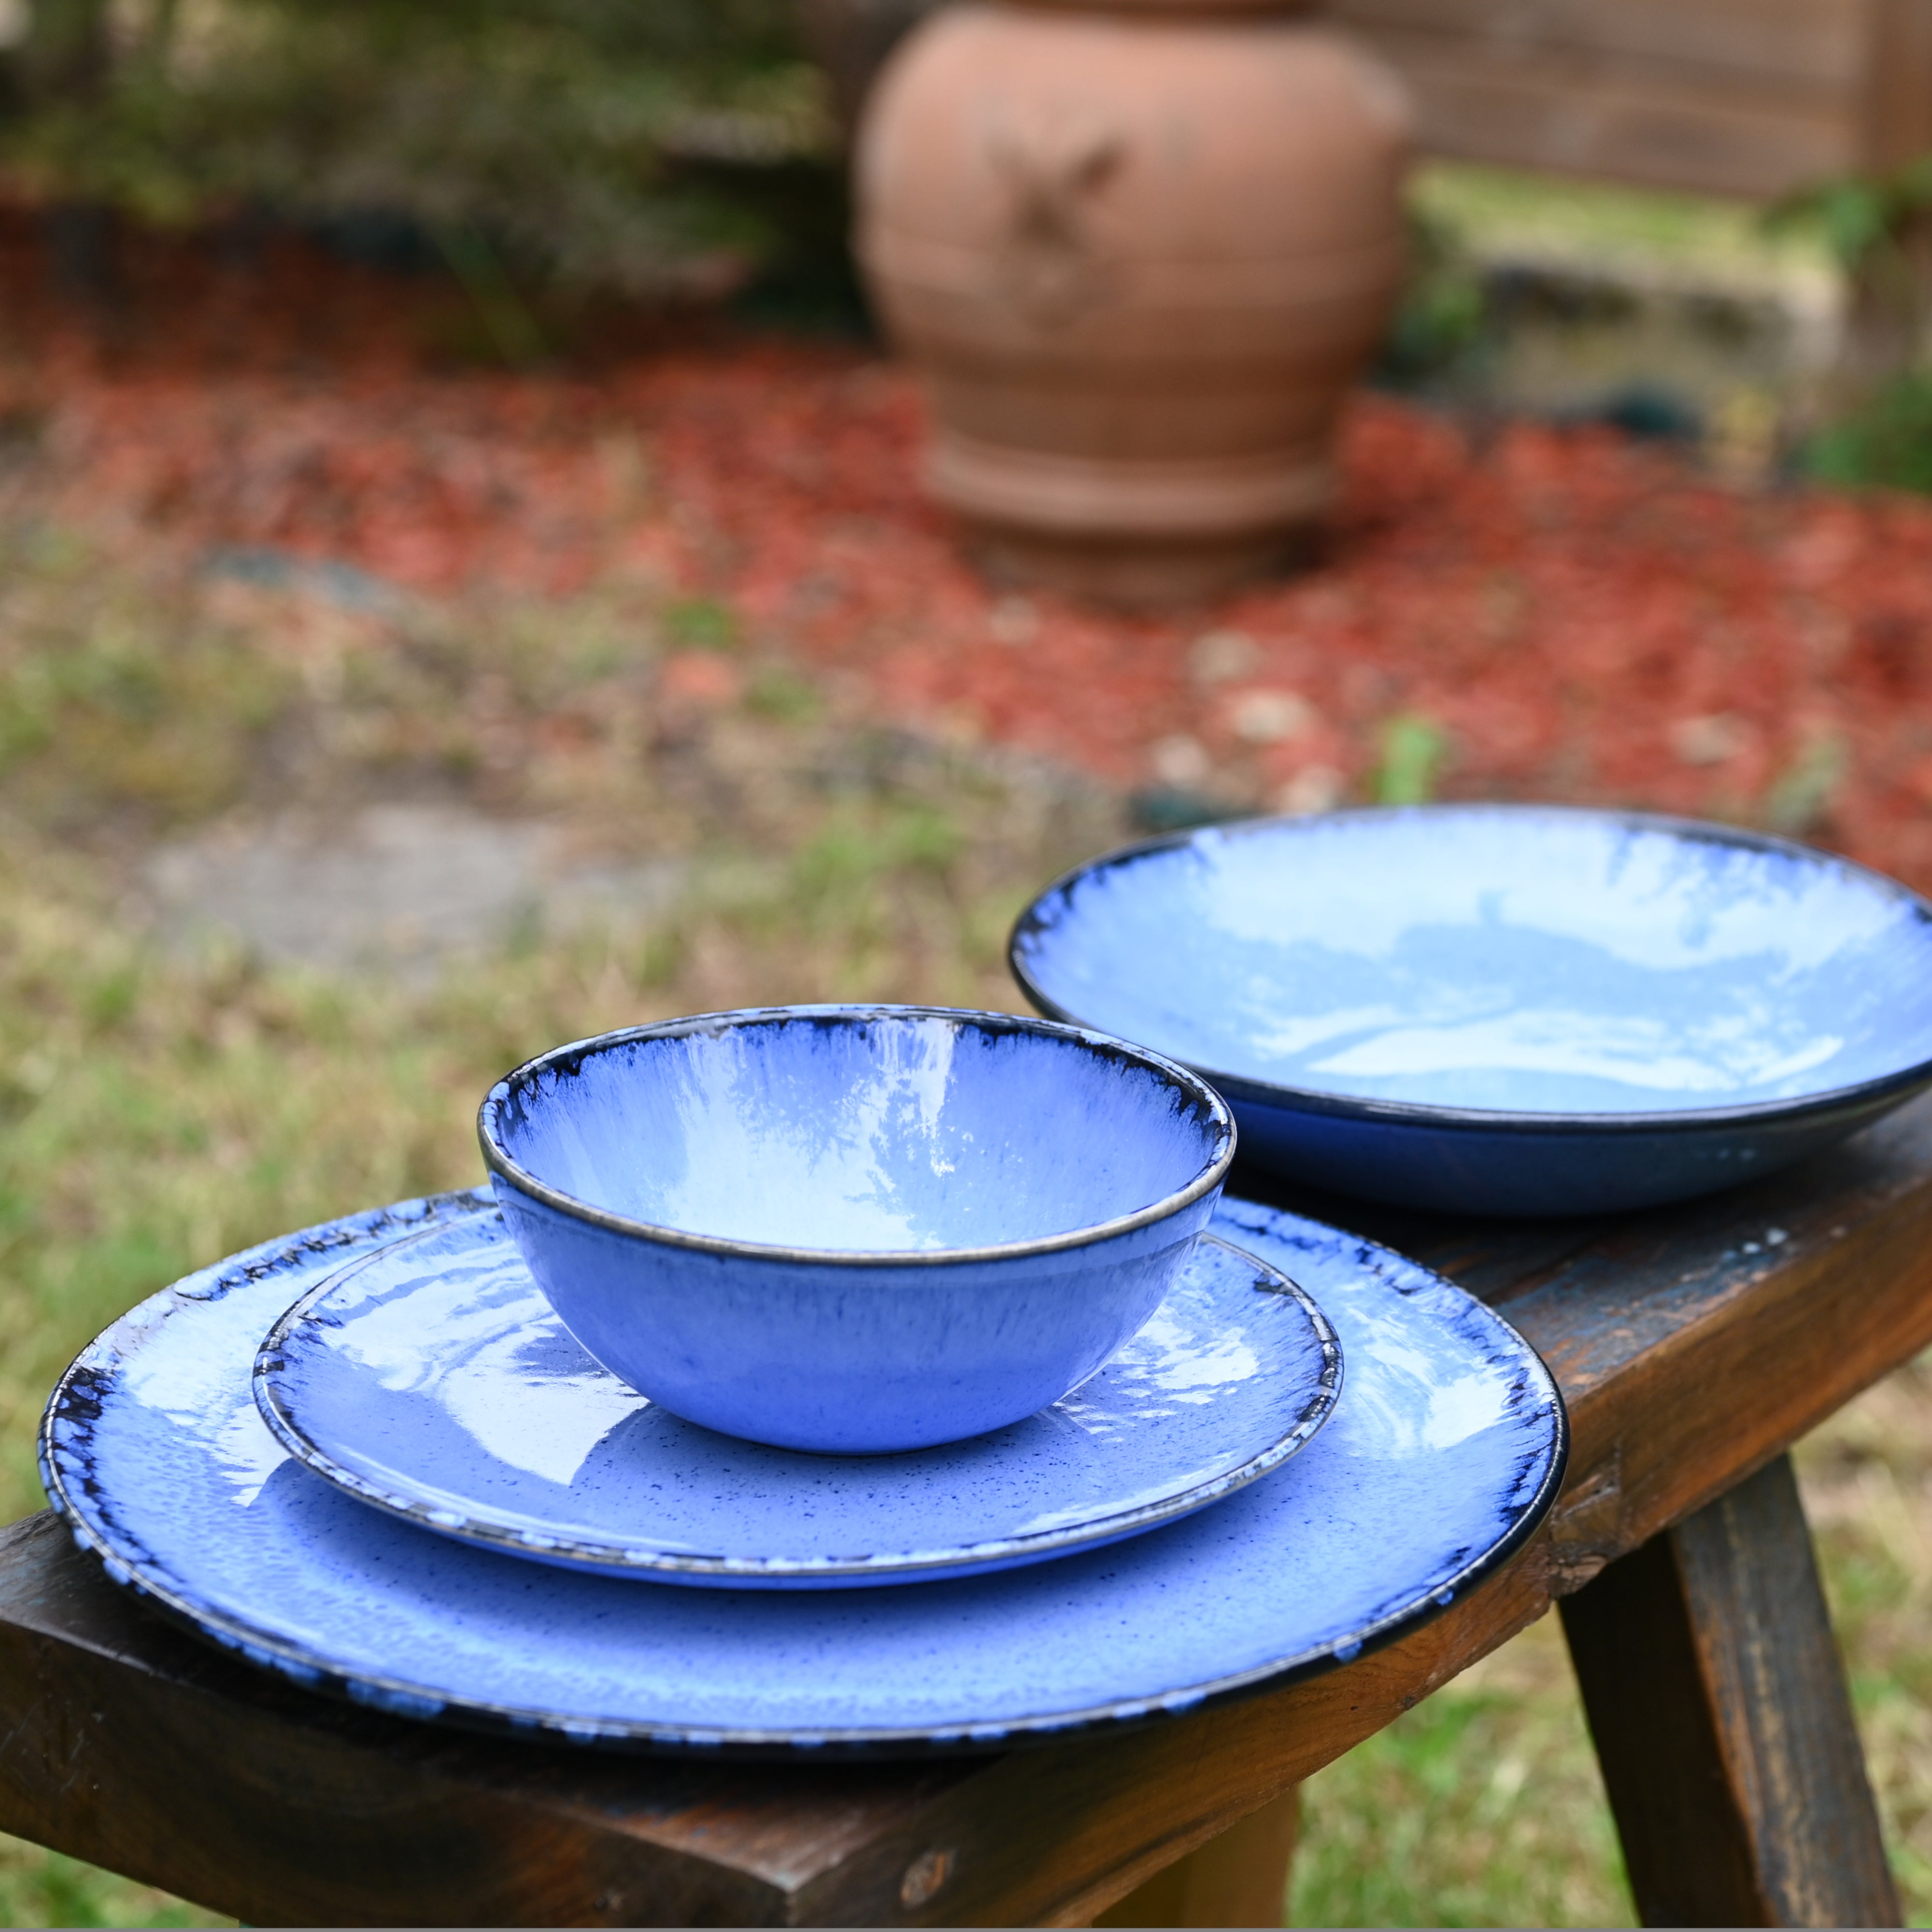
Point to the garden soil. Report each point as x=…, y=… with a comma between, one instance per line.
x=1505, y=610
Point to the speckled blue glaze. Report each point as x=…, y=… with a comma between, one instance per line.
x=1504, y=1009
x=1444, y=1453
x=434, y=1381
x=854, y=1229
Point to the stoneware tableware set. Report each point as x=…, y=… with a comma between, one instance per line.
x=924, y=1355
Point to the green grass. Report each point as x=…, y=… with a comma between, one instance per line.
x=1481, y=1806
x=161, y=1108
x=41, y=1888
x=161, y=1111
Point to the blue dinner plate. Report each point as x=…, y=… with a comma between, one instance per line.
x=433, y=1380
x=1508, y=1010
x=1443, y=1455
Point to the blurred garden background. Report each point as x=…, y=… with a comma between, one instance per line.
x=464, y=584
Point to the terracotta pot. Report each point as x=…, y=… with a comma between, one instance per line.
x=1139, y=254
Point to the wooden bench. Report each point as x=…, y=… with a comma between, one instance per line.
x=1694, y=1345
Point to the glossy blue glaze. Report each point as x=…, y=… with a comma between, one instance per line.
x=1504, y=1009
x=1443, y=1454
x=854, y=1229
x=433, y=1380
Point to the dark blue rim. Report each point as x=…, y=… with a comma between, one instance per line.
x=1208, y=1107
x=1246, y=1087
x=314, y=1672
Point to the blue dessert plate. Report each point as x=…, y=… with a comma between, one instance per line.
x=1444, y=1452
x=1508, y=1010
x=433, y=1380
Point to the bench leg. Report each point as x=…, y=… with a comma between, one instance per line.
x=1239, y=1878
x=1717, y=1702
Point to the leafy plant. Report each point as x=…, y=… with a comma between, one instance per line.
x=701, y=623
x=1886, y=440
x=1879, y=227
x=1862, y=217
x=1439, y=317
x=1413, y=748
x=1802, y=794
x=573, y=137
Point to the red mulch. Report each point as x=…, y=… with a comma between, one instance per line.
x=1584, y=617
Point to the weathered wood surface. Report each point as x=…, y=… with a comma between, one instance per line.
x=1717, y=1702
x=1898, y=87
x=1693, y=1344
x=1748, y=97
x=1815, y=48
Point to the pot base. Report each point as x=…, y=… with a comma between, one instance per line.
x=1134, y=533
x=1142, y=573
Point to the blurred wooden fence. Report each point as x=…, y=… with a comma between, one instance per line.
x=1744, y=97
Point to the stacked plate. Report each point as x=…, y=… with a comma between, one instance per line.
x=390, y=1570
x=720, y=1421
x=890, y=1379
x=433, y=1382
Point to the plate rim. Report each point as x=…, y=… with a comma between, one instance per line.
x=1253, y=1091
x=907, y=1567
x=312, y=1670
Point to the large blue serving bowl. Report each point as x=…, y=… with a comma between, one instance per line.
x=1503, y=1010
x=854, y=1229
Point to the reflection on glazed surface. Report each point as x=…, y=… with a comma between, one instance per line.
x=1365, y=1530
x=1505, y=959
x=906, y=1134
x=437, y=1375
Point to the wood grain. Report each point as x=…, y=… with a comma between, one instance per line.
x=1810, y=45
x=1239, y=1878
x=1551, y=111
x=1694, y=1345
x=125, y=1742
x=1898, y=83
x=1717, y=1702
x=1752, y=98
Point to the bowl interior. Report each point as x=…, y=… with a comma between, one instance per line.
x=870, y=1133
x=1505, y=958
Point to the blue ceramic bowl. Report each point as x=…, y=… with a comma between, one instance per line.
x=854, y=1229
x=1504, y=1009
